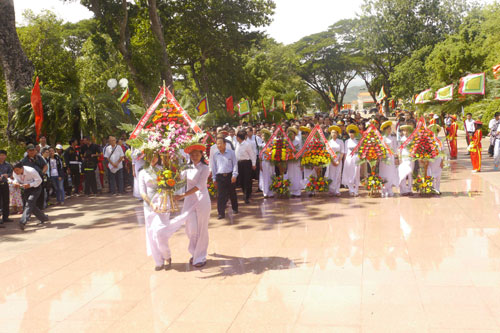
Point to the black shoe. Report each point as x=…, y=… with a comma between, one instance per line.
x=8, y=220
x=21, y=225
x=220, y=217
x=159, y=268
x=235, y=212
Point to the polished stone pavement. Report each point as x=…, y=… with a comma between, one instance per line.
x=312, y=264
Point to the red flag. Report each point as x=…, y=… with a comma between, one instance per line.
x=230, y=105
x=264, y=108
x=284, y=105
x=36, y=104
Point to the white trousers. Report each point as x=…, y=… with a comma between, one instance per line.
x=335, y=174
x=294, y=174
x=158, y=231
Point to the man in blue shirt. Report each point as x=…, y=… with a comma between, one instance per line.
x=224, y=173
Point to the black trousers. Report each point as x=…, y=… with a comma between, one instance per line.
x=245, y=177
x=469, y=137
x=40, y=202
x=256, y=172
x=75, y=177
x=30, y=196
x=5, y=201
x=225, y=190
x=90, y=182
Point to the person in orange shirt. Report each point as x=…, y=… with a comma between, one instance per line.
x=452, y=137
x=475, y=147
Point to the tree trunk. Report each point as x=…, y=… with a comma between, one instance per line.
x=156, y=27
x=122, y=43
x=17, y=68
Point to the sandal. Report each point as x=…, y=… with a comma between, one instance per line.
x=159, y=268
x=191, y=260
x=168, y=265
x=200, y=264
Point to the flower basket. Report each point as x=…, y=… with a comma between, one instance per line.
x=372, y=148
x=280, y=186
x=318, y=184
x=316, y=155
x=373, y=184
x=423, y=185
x=212, y=189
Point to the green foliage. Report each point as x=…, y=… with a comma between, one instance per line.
x=43, y=41
x=485, y=111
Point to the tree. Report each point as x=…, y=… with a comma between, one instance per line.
x=389, y=31
x=324, y=64
x=17, y=68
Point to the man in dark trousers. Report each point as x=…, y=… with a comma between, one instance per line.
x=224, y=172
x=5, y=174
x=37, y=162
x=73, y=162
x=89, y=153
x=247, y=162
x=30, y=181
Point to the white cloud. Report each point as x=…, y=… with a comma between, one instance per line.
x=295, y=19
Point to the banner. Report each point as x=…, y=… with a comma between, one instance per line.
x=171, y=100
x=310, y=137
x=496, y=71
x=202, y=107
x=164, y=93
x=36, y=104
x=230, y=105
x=472, y=84
x=283, y=105
x=243, y=108
x=381, y=95
x=264, y=108
x=445, y=94
x=424, y=97
x=148, y=114
x=330, y=96
x=278, y=130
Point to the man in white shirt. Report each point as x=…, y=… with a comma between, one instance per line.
x=29, y=180
x=114, y=155
x=470, y=127
x=232, y=137
x=247, y=162
x=493, y=127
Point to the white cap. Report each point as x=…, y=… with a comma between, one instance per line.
x=59, y=146
x=436, y=116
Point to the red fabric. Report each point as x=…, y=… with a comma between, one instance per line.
x=452, y=136
x=230, y=105
x=264, y=108
x=36, y=103
x=284, y=105
x=475, y=154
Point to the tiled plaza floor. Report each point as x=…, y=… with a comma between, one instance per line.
x=300, y=265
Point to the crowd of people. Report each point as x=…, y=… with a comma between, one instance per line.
x=234, y=161
x=45, y=172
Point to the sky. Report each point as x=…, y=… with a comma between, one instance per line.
x=293, y=19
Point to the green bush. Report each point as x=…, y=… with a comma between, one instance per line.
x=15, y=150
